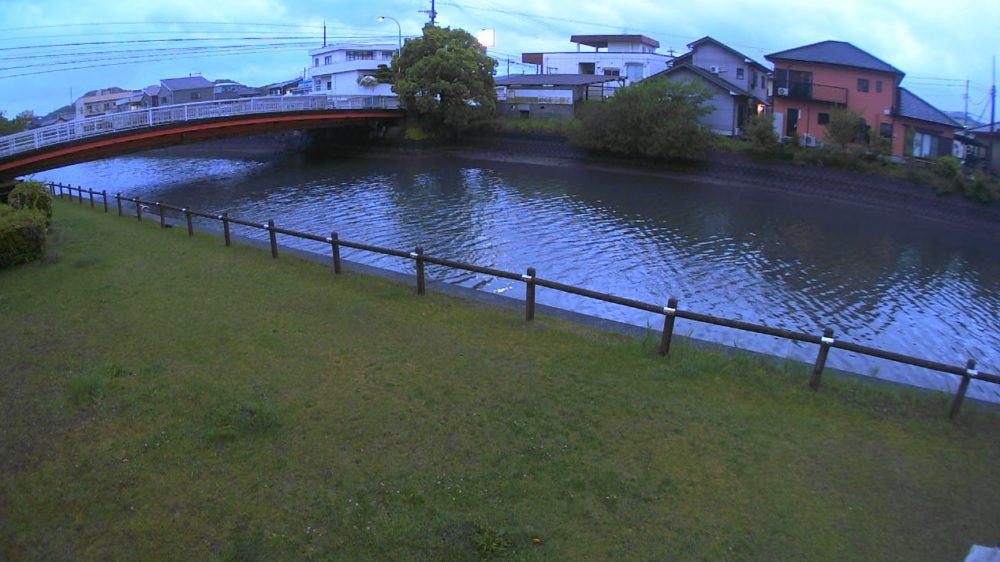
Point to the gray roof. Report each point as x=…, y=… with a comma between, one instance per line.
x=153, y=90
x=985, y=129
x=186, y=83
x=912, y=107
x=713, y=79
x=553, y=79
x=835, y=52
x=706, y=39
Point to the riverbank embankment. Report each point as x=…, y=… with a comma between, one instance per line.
x=738, y=173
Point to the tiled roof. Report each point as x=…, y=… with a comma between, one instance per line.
x=709, y=77
x=835, y=52
x=186, y=83
x=912, y=107
x=553, y=79
x=985, y=128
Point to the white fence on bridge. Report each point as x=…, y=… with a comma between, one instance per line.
x=144, y=118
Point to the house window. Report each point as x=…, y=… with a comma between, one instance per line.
x=822, y=118
x=885, y=129
x=739, y=74
x=753, y=78
x=360, y=55
x=878, y=86
x=196, y=95
x=315, y=61
x=327, y=59
x=611, y=72
x=862, y=84
x=387, y=55
x=329, y=85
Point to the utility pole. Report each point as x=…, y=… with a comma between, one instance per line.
x=965, y=116
x=432, y=13
x=993, y=114
x=324, y=33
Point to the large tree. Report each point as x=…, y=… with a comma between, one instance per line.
x=655, y=118
x=446, y=78
x=17, y=124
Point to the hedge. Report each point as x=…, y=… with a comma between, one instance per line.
x=22, y=236
x=32, y=195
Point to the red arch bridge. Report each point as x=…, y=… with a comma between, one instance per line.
x=82, y=140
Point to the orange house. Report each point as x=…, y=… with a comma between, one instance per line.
x=812, y=80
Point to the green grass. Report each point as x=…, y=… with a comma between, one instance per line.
x=169, y=398
x=535, y=126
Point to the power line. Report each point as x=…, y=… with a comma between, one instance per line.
x=97, y=24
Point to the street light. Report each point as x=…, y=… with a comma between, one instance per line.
x=398, y=28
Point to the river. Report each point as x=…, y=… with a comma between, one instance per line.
x=877, y=278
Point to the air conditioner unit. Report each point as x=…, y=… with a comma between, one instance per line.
x=782, y=91
x=808, y=140
x=715, y=69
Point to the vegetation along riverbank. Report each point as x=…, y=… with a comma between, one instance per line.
x=166, y=397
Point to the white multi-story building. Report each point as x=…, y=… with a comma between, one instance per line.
x=350, y=69
x=629, y=57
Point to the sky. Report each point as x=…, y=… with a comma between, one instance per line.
x=52, y=51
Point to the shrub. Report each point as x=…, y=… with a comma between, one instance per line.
x=654, y=118
x=845, y=126
x=763, y=138
x=32, y=195
x=22, y=236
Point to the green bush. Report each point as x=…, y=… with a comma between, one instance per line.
x=655, y=118
x=32, y=195
x=22, y=236
x=764, y=141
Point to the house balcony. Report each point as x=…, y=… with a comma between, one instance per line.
x=809, y=91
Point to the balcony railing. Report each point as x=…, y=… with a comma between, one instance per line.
x=810, y=91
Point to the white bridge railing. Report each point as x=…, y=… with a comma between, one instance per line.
x=144, y=118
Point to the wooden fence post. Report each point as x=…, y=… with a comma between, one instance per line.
x=91, y=193
x=418, y=255
x=138, y=209
x=824, y=349
x=60, y=190
x=274, y=238
x=79, y=193
x=335, y=250
x=104, y=194
x=224, y=217
x=956, y=404
x=529, y=294
x=669, y=317
x=118, y=199
x=163, y=220
x=187, y=217
x=52, y=189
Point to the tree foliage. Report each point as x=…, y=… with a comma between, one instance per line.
x=17, y=124
x=446, y=79
x=759, y=130
x=845, y=126
x=655, y=118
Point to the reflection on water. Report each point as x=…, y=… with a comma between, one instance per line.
x=893, y=282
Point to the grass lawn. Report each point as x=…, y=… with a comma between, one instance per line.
x=169, y=398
